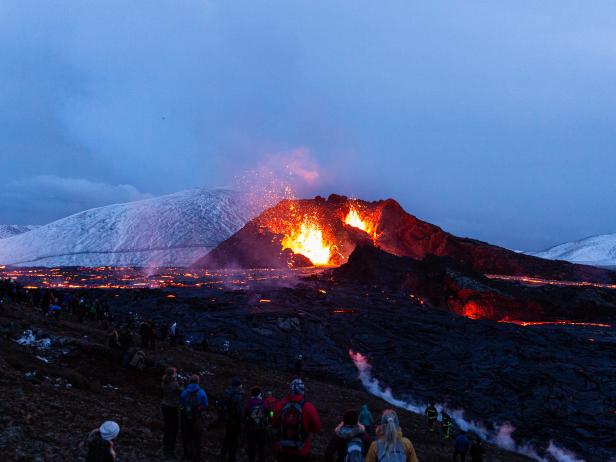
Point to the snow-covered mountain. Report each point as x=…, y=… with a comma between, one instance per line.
x=594, y=250
x=14, y=230
x=172, y=230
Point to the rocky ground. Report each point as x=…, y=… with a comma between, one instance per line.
x=551, y=382
x=52, y=397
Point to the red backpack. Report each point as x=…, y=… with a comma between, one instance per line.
x=292, y=434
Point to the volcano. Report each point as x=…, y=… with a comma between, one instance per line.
x=324, y=232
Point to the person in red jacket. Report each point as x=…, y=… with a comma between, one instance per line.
x=296, y=419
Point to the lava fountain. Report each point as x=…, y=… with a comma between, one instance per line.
x=307, y=239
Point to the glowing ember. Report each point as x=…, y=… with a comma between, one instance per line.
x=265, y=300
x=308, y=241
x=472, y=310
x=557, y=323
x=354, y=219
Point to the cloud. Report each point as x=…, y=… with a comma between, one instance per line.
x=51, y=197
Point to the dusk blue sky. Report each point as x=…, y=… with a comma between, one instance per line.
x=495, y=120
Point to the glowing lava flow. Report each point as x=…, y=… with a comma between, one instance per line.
x=557, y=323
x=354, y=219
x=308, y=241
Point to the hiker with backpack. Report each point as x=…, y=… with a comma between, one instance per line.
x=233, y=416
x=350, y=442
x=257, y=413
x=100, y=442
x=193, y=402
x=169, y=405
x=296, y=420
x=390, y=445
x=366, y=419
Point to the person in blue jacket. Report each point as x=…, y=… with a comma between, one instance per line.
x=193, y=402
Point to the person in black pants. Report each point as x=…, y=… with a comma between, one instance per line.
x=233, y=404
x=169, y=405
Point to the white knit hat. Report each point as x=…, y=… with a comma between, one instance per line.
x=109, y=430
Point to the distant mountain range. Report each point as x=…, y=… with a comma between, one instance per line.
x=595, y=250
x=171, y=230
x=14, y=230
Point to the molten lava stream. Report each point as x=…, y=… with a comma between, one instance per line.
x=308, y=241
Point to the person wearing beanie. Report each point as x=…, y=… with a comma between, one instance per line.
x=233, y=416
x=296, y=420
x=350, y=442
x=390, y=445
x=100, y=442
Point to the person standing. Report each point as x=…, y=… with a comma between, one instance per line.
x=100, y=442
x=233, y=404
x=461, y=447
x=366, y=419
x=447, y=426
x=193, y=402
x=477, y=450
x=257, y=413
x=391, y=446
x=350, y=442
x=169, y=405
x=432, y=415
x=296, y=420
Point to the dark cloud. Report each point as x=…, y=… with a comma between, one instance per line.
x=48, y=197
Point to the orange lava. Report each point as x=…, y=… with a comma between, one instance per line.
x=558, y=323
x=540, y=282
x=307, y=240
x=353, y=218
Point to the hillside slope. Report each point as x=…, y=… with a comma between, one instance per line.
x=14, y=230
x=595, y=250
x=171, y=230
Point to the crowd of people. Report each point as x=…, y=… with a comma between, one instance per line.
x=282, y=428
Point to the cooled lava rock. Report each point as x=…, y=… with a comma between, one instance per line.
x=445, y=283
x=386, y=225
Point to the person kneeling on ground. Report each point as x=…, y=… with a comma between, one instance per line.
x=100, y=442
x=296, y=420
x=390, y=445
x=193, y=402
x=350, y=442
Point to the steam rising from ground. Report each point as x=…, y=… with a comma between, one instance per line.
x=500, y=435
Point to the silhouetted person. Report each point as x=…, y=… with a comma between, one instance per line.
x=233, y=404
x=460, y=448
x=170, y=404
x=477, y=450
x=257, y=413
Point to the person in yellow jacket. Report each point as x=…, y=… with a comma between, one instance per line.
x=390, y=445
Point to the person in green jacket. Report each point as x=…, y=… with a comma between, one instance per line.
x=366, y=419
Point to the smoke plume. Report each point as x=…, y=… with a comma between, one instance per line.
x=499, y=435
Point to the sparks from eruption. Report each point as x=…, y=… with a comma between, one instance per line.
x=308, y=241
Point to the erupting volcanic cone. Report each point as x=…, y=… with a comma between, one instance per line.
x=324, y=232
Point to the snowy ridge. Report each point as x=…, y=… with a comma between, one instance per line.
x=172, y=230
x=595, y=250
x=14, y=230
